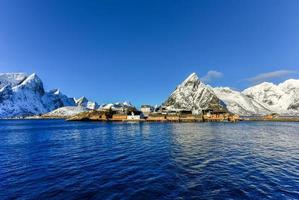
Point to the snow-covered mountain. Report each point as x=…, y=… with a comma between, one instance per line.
x=282, y=98
x=11, y=79
x=22, y=95
x=55, y=99
x=262, y=99
x=239, y=103
x=193, y=95
x=117, y=106
x=84, y=102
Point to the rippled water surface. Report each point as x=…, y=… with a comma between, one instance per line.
x=41, y=159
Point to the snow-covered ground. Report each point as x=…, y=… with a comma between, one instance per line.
x=65, y=112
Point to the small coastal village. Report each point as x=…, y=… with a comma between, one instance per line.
x=152, y=114
x=125, y=112
x=191, y=101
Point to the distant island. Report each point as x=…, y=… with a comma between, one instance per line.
x=23, y=96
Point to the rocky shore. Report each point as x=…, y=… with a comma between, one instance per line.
x=278, y=119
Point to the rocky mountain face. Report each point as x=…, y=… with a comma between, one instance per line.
x=22, y=95
x=282, y=98
x=195, y=96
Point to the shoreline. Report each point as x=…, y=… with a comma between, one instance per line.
x=251, y=119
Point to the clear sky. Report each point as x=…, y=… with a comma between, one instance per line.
x=111, y=50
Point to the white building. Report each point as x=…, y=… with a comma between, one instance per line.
x=133, y=117
x=147, y=109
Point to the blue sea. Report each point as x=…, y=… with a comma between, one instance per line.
x=54, y=159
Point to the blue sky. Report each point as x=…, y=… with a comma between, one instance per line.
x=139, y=51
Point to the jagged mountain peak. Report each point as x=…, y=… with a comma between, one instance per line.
x=267, y=86
x=11, y=79
x=191, y=83
x=227, y=89
x=32, y=82
x=281, y=98
x=55, y=91
x=125, y=104
x=22, y=95
x=193, y=95
x=192, y=78
x=289, y=84
x=33, y=78
x=261, y=86
x=83, y=101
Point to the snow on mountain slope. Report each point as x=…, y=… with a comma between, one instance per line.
x=19, y=98
x=193, y=95
x=239, y=103
x=282, y=98
x=11, y=79
x=261, y=99
x=22, y=95
x=22, y=99
x=83, y=101
x=65, y=112
x=55, y=99
x=117, y=106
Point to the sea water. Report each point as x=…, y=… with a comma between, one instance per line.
x=42, y=159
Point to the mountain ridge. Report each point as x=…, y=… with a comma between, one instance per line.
x=282, y=98
x=255, y=100
x=24, y=95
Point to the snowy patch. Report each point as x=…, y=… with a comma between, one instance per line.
x=67, y=111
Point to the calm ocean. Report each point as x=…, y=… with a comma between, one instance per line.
x=54, y=159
